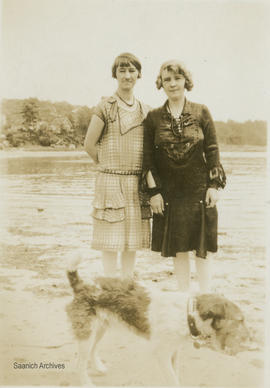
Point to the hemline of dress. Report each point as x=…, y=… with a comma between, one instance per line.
x=190, y=250
x=96, y=248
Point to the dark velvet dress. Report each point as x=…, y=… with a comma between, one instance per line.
x=183, y=157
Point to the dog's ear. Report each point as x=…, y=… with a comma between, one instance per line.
x=211, y=307
x=233, y=312
x=215, y=311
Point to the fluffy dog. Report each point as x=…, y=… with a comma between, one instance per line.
x=164, y=319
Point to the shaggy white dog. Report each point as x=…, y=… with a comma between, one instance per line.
x=164, y=319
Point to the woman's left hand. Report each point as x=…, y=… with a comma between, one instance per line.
x=212, y=197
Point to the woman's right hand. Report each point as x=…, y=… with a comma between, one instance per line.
x=157, y=204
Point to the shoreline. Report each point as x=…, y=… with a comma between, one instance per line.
x=40, y=151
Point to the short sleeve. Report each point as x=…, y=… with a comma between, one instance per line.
x=100, y=111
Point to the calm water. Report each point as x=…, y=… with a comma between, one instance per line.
x=61, y=184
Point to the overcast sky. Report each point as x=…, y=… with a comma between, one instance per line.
x=62, y=50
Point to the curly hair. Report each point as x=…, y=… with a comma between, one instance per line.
x=178, y=68
x=125, y=59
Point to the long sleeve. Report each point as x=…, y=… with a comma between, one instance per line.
x=149, y=154
x=216, y=177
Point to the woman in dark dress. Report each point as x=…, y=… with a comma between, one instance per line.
x=182, y=173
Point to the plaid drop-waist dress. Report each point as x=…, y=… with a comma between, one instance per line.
x=121, y=216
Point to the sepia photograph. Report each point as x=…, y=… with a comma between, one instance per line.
x=134, y=193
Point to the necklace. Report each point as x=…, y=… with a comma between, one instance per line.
x=130, y=105
x=176, y=123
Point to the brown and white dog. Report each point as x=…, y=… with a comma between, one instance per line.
x=165, y=319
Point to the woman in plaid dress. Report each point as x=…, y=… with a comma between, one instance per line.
x=115, y=142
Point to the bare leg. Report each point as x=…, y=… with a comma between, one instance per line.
x=109, y=261
x=128, y=263
x=182, y=270
x=203, y=267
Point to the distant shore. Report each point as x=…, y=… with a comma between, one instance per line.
x=38, y=148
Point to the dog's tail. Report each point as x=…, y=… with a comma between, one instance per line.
x=72, y=272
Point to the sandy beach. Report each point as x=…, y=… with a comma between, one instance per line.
x=47, y=221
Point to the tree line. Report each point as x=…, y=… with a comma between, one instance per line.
x=31, y=121
x=46, y=123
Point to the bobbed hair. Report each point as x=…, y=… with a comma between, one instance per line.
x=125, y=59
x=178, y=68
